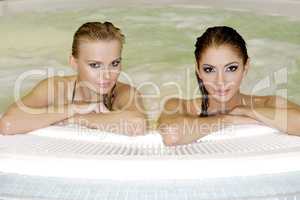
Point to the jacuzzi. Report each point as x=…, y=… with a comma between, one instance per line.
x=73, y=162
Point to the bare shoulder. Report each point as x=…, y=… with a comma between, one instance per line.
x=280, y=102
x=125, y=89
x=126, y=96
x=47, y=91
x=125, y=92
x=269, y=101
x=55, y=81
x=254, y=100
x=67, y=82
x=193, y=106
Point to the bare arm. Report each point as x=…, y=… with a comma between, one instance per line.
x=127, y=118
x=278, y=113
x=35, y=111
x=177, y=126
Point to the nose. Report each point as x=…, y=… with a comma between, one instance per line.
x=105, y=74
x=220, y=79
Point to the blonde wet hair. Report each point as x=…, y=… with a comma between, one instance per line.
x=95, y=31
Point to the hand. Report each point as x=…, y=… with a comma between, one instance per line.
x=242, y=111
x=175, y=132
x=83, y=108
x=62, y=122
x=71, y=120
x=245, y=111
x=87, y=108
x=169, y=133
x=101, y=108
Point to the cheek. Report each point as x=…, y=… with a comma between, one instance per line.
x=207, y=78
x=209, y=86
x=209, y=81
x=114, y=75
x=234, y=80
x=87, y=73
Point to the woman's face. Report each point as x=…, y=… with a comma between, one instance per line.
x=99, y=64
x=221, y=70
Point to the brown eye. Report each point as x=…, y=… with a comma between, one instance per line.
x=231, y=68
x=115, y=63
x=208, y=69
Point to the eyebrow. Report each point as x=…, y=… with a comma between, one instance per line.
x=224, y=65
x=117, y=59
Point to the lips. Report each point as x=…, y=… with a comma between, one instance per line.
x=103, y=84
x=222, y=92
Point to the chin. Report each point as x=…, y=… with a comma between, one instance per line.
x=101, y=90
x=222, y=99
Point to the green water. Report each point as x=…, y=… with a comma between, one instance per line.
x=159, y=46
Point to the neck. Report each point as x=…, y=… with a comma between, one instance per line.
x=86, y=94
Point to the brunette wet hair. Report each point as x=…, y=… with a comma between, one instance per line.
x=215, y=37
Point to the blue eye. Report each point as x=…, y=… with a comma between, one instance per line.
x=208, y=69
x=95, y=65
x=232, y=68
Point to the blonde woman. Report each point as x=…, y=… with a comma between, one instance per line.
x=96, y=98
